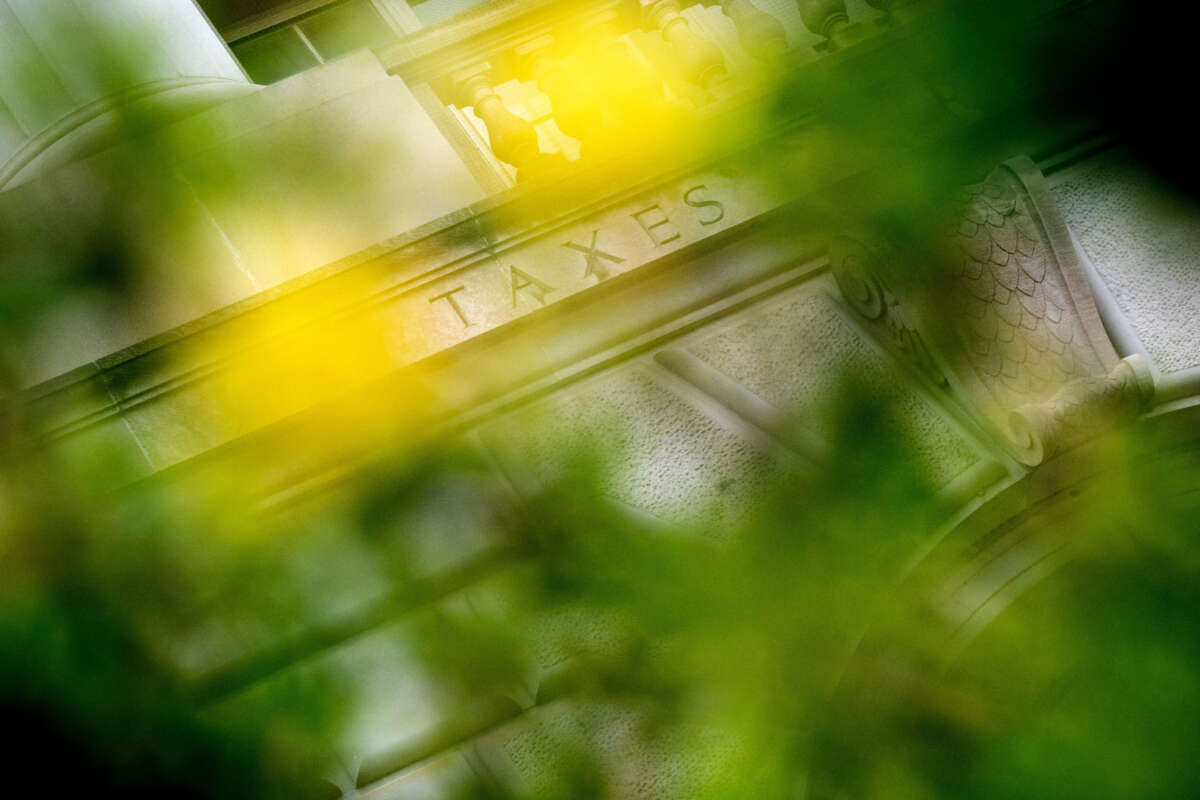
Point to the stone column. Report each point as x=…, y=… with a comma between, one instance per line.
x=700, y=60
x=826, y=18
x=513, y=140
x=69, y=71
x=576, y=108
x=762, y=35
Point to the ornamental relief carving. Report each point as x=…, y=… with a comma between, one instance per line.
x=1009, y=301
x=1010, y=309
x=856, y=269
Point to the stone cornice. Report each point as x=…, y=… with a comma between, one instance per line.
x=483, y=243
x=463, y=241
x=249, y=26
x=470, y=36
x=421, y=250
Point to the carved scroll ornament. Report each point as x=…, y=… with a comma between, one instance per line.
x=1014, y=319
x=856, y=269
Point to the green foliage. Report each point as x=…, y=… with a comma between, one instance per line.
x=148, y=636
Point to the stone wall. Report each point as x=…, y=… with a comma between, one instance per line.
x=241, y=198
x=1145, y=244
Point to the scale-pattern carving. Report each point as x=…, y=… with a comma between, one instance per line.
x=1015, y=321
x=1010, y=301
x=1020, y=303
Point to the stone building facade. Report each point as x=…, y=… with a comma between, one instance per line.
x=492, y=254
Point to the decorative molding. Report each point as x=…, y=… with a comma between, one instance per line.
x=1081, y=410
x=258, y=23
x=1013, y=316
x=92, y=127
x=856, y=268
x=1018, y=302
x=450, y=285
x=488, y=30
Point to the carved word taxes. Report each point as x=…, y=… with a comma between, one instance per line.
x=594, y=257
x=496, y=290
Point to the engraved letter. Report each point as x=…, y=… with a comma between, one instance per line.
x=649, y=226
x=718, y=209
x=592, y=256
x=523, y=280
x=449, y=298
